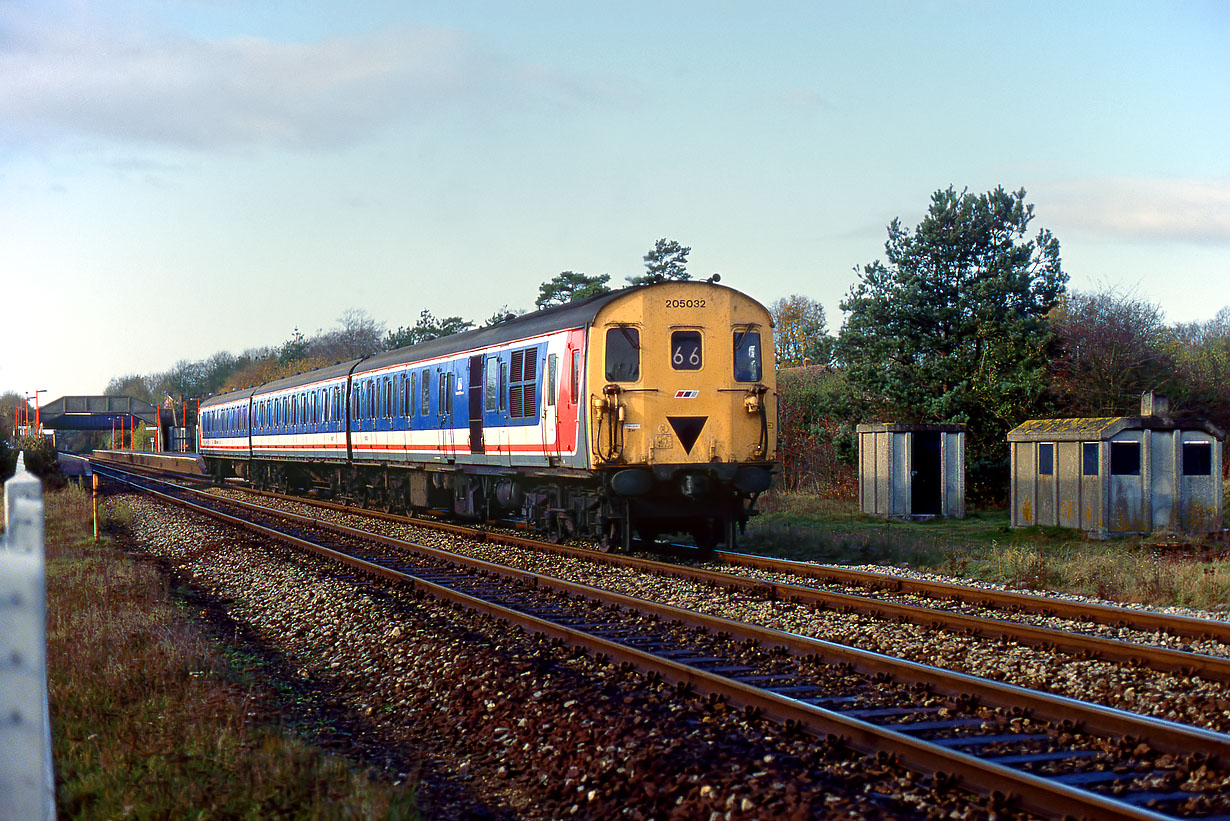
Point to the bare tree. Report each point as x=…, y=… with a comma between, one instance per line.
x=1109, y=347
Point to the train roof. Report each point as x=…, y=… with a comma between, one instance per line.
x=339, y=370
x=577, y=314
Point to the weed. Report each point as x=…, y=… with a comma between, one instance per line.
x=984, y=546
x=126, y=664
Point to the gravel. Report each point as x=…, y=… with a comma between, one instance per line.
x=508, y=725
x=1173, y=696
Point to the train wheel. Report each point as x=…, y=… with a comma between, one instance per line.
x=554, y=532
x=610, y=540
x=705, y=535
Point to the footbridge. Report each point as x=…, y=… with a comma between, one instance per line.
x=176, y=426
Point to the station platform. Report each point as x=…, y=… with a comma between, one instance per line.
x=74, y=466
x=190, y=463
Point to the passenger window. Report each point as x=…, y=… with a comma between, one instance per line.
x=747, y=357
x=425, y=409
x=372, y=387
x=491, y=385
x=412, y=385
x=552, y=363
x=623, y=354
x=388, y=398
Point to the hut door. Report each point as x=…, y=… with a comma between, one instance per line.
x=925, y=480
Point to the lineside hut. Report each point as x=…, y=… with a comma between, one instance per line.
x=1118, y=474
x=911, y=471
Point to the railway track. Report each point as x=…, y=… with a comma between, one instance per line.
x=886, y=596
x=1054, y=755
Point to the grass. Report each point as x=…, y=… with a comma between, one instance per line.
x=983, y=546
x=152, y=718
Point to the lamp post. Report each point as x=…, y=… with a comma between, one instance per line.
x=38, y=420
x=27, y=427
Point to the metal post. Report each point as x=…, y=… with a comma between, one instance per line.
x=26, y=779
x=94, y=483
x=38, y=419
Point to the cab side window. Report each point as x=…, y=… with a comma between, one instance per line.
x=552, y=366
x=747, y=356
x=623, y=354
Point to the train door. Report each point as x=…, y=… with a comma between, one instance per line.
x=549, y=416
x=444, y=410
x=476, y=404
x=384, y=411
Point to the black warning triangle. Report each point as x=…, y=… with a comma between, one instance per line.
x=687, y=428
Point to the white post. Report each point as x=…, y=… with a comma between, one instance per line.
x=26, y=786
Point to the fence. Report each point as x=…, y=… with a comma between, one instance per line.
x=26, y=787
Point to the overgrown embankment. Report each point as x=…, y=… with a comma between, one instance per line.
x=155, y=717
x=983, y=547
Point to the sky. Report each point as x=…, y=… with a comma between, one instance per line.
x=182, y=177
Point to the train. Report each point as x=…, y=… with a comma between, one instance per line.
x=634, y=414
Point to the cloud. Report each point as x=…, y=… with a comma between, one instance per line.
x=62, y=81
x=1141, y=209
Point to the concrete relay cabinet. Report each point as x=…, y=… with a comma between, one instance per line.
x=1118, y=474
x=911, y=471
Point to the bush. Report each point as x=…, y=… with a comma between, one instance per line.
x=41, y=460
x=816, y=439
x=8, y=460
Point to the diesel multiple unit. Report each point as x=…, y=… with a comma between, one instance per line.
x=650, y=410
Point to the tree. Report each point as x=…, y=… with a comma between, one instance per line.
x=953, y=328
x=10, y=401
x=1109, y=347
x=138, y=387
x=800, y=334
x=569, y=286
x=360, y=335
x=293, y=349
x=668, y=260
x=427, y=328
x=502, y=315
x=1201, y=353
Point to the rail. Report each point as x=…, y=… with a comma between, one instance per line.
x=26, y=785
x=983, y=763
